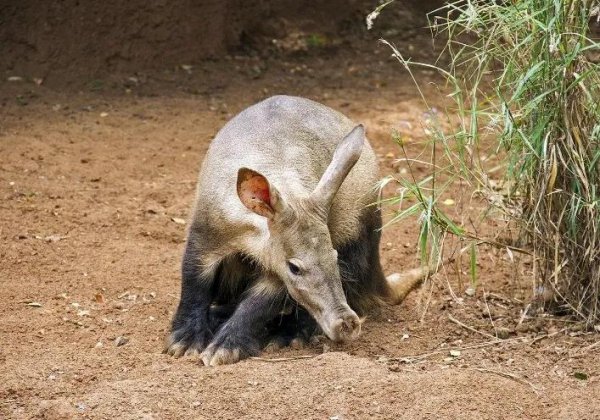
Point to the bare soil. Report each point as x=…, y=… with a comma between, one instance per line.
x=93, y=183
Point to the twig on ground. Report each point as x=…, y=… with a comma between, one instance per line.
x=498, y=297
x=422, y=356
x=536, y=339
x=456, y=321
x=284, y=359
x=7, y=402
x=510, y=376
x=583, y=351
x=495, y=341
x=524, y=314
x=489, y=313
x=424, y=312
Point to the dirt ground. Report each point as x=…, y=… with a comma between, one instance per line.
x=94, y=182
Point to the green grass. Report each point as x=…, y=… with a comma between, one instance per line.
x=526, y=109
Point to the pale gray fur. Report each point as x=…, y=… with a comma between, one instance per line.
x=291, y=142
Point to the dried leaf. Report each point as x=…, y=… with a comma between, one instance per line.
x=54, y=238
x=121, y=341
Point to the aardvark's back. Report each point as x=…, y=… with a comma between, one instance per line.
x=290, y=141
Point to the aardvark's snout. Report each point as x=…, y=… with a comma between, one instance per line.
x=342, y=326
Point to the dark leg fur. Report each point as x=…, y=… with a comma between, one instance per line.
x=246, y=330
x=208, y=299
x=190, y=328
x=362, y=276
x=293, y=329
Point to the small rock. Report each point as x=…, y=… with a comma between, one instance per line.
x=178, y=220
x=488, y=312
x=522, y=328
x=121, y=341
x=470, y=291
x=54, y=238
x=455, y=353
x=103, y=114
x=34, y=304
x=503, y=333
x=577, y=327
x=15, y=79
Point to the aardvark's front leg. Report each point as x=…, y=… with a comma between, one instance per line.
x=243, y=335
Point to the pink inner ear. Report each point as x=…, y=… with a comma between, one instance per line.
x=258, y=188
x=253, y=191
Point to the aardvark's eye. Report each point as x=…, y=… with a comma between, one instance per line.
x=294, y=269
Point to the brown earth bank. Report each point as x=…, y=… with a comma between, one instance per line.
x=95, y=180
x=60, y=42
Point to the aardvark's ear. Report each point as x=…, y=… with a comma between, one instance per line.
x=256, y=194
x=345, y=156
